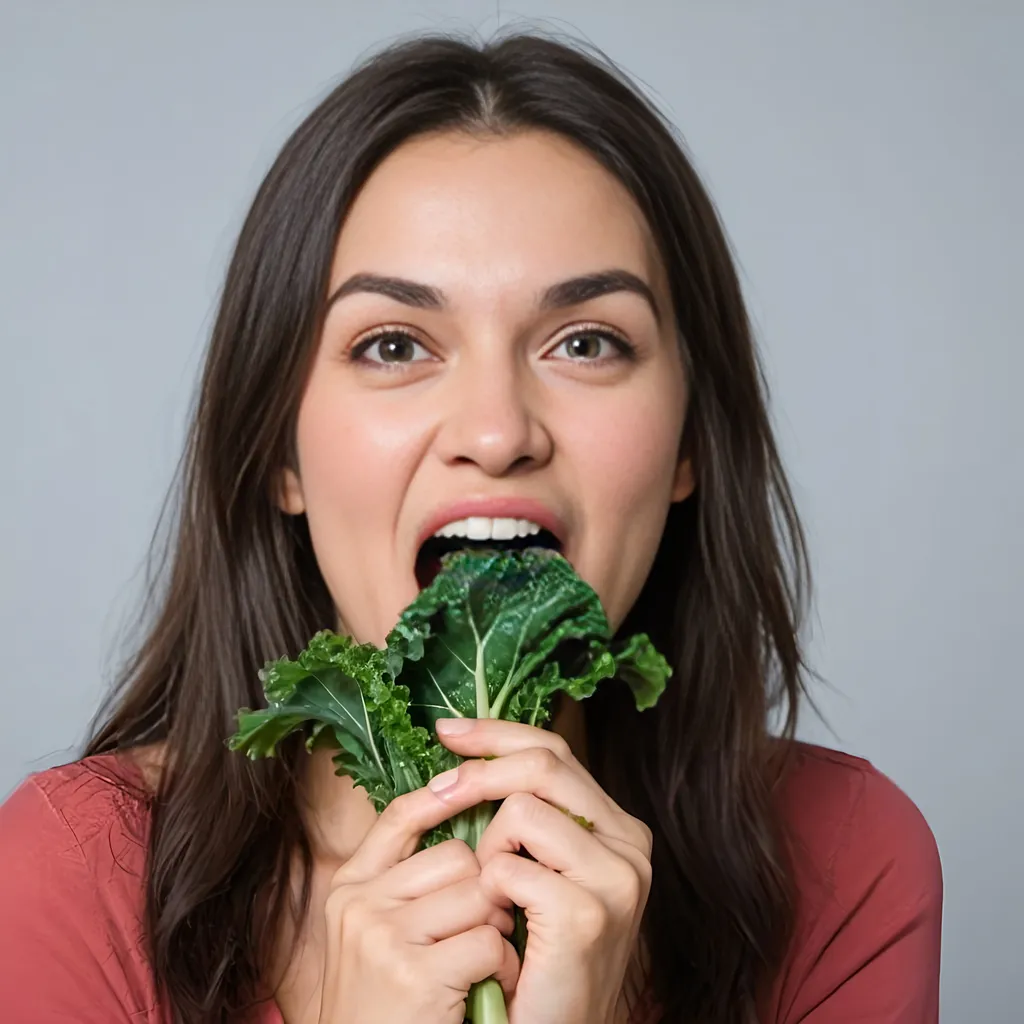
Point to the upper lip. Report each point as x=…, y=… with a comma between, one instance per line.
x=493, y=508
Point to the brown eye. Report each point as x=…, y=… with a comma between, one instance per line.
x=593, y=346
x=389, y=348
x=584, y=346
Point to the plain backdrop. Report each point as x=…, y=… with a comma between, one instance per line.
x=868, y=162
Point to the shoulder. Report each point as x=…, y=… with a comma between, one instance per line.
x=868, y=886
x=75, y=791
x=72, y=884
x=94, y=810
x=846, y=820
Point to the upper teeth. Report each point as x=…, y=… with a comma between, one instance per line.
x=483, y=528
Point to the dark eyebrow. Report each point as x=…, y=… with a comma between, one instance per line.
x=591, y=286
x=410, y=293
x=572, y=292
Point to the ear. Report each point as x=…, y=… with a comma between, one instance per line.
x=685, y=482
x=289, y=493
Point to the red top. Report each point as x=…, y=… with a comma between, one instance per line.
x=72, y=851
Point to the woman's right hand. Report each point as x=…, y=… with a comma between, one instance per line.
x=409, y=933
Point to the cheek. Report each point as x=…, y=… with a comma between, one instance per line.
x=627, y=453
x=354, y=466
x=635, y=463
x=341, y=460
x=625, y=461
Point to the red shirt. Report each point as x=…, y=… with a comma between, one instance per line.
x=866, y=949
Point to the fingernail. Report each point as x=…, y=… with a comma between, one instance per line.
x=453, y=726
x=446, y=780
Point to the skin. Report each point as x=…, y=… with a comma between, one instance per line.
x=484, y=399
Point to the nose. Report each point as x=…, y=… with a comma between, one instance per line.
x=493, y=419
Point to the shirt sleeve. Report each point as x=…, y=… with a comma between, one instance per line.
x=873, y=952
x=59, y=961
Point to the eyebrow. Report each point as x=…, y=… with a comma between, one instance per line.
x=571, y=292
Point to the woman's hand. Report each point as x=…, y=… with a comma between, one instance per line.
x=408, y=935
x=584, y=894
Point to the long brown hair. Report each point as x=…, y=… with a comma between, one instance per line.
x=237, y=583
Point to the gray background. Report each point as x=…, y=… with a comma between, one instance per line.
x=868, y=162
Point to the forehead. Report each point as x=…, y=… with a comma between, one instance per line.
x=468, y=212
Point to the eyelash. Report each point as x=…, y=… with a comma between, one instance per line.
x=624, y=350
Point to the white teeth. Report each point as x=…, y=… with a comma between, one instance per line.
x=478, y=528
x=503, y=529
x=524, y=528
x=483, y=528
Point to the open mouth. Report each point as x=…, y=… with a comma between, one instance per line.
x=477, y=535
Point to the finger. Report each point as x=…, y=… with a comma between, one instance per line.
x=525, y=822
x=487, y=737
x=619, y=877
x=494, y=737
x=551, y=902
x=396, y=833
x=476, y=955
x=457, y=908
x=539, y=771
x=436, y=867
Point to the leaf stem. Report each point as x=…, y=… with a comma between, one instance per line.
x=483, y=698
x=469, y=825
x=486, y=1003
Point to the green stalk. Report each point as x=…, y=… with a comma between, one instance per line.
x=486, y=1001
x=469, y=825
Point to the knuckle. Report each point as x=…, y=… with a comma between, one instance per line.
x=361, y=927
x=500, y=868
x=543, y=762
x=492, y=945
x=630, y=891
x=470, y=770
x=459, y=854
x=338, y=901
x=354, y=914
x=400, y=813
x=560, y=748
x=644, y=836
x=645, y=875
x=591, y=921
x=520, y=806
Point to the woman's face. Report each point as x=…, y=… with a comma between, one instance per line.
x=499, y=391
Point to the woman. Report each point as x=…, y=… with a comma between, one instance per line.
x=478, y=281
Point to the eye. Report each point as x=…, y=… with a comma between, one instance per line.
x=389, y=348
x=593, y=345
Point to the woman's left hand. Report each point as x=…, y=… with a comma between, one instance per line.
x=585, y=892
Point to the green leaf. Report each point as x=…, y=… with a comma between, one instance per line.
x=639, y=664
x=344, y=687
x=498, y=634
